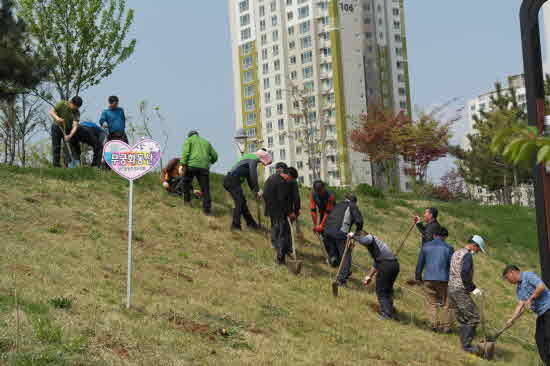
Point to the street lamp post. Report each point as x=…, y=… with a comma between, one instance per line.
x=240, y=140
x=534, y=85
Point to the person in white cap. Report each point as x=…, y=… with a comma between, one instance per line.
x=461, y=287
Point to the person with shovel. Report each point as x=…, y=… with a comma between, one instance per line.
x=432, y=270
x=532, y=293
x=245, y=169
x=339, y=224
x=321, y=204
x=461, y=287
x=386, y=270
x=429, y=226
x=66, y=115
x=278, y=197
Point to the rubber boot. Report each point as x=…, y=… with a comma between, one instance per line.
x=467, y=334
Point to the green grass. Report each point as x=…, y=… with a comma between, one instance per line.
x=206, y=296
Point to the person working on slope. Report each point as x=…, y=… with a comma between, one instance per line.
x=64, y=127
x=461, y=287
x=91, y=134
x=245, y=169
x=321, y=204
x=198, y=154
x=432, y=270
x=386, y=270
x=430, y=225
x=278, y=196
x=114, y=120
x=339, y=223
x=171, y=178
x=296, y=199
x=532, y=293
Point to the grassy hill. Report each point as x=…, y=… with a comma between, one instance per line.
x=206, y=296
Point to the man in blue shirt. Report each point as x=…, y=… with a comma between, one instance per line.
x=92, y=135
x=433, y=269
x=114, y=120
x=532, y=293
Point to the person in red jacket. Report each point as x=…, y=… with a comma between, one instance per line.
x=321, y=203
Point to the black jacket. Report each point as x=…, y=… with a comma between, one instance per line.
x=296, y=201
x=344, y=216
x=278, y=197
x=428, y=230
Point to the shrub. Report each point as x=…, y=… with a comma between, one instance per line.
x=61, y=303
x=442, y=193
x=368, y=190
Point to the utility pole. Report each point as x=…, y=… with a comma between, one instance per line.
x=534, y=84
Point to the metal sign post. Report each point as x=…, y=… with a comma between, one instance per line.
x=130, y=231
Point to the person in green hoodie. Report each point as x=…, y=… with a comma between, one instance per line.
x=195, y=161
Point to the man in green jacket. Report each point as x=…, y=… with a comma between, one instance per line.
x=195, y=161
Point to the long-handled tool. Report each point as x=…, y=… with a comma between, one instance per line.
x=259, y=212
x=487, y=347
x=294, y=264
x=320, y=238
x=67, y=146
x=335, y=284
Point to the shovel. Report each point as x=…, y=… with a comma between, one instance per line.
x=294, y=264
x=487, y=347
x=335, y=285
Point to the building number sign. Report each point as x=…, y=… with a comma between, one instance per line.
x=347, y=8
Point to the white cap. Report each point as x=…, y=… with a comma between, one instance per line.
x=478, y=240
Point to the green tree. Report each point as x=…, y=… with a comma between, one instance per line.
x=86, y=37
x=481, y=165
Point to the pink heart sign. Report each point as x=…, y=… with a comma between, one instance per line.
x=132, y=162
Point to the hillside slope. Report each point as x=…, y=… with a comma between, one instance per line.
x=206, y=296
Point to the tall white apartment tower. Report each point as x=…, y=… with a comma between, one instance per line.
x=345, y=54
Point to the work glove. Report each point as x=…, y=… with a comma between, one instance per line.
x=351, y=235
x=477, y=292
x=367, y=280
x=319, y=229
x=260, y=194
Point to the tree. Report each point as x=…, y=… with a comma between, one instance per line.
x=86, y=37
x=481, y=165
x=426, y=140
x=379, y=135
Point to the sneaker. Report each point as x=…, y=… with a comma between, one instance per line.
x=382, y=316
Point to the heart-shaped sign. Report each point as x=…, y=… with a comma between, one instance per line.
x=132, y=162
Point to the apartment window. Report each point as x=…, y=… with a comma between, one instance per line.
x=262, y=11
x=247, y=62
x=250, y=104
x=262, y=25
x=252, y=147
x=279, y=94
x=264, y=39
x=276, y=50
x=282, y=154
x=399, y=64
x=281, y=124
x=306, y=42
x=290, y=16
x=264, y=54
x=309, y=85
x=324, y=36
x=293, y=60
x=326, y=83
x=401, y=78
x=307, y=57
x=277, y=65
x=273, y=6
x=266, y=83
x=279, y=108
x=291, y=30
x=248, y=91
x=367, y=20
x=248, y=77
x=246, y=48
x=380, y=21
x=326, y=67
x=398, y=38
x=251, y=118
x=399, y=51
x=246, y=34
x=403, y=105
x=281, y=139
x=324, y=20
x=395, y=12
x=381, y=36
x=402, y=92
x=322, y=4
x=243, y=6
x=368, y=35
x=270, y=142
x=325, y=51
x=396, y=25
x=251, y=132
x=269, y=127
x=274, y=20
x=307, y=72
x=277, y=80
x=305, y=27
x=267, y=97
x=267, y=112
x=299, y=152
x=245, y=20
x=303, y=12
x=275, y=35
x=265, y=68
x=288, y=2
x=310, y=101
x=293, y=75
x=291, y=45
x=312, y=116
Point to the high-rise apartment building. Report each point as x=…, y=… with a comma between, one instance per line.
x=341, y=55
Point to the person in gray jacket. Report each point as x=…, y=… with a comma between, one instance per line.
x=386, y=270
x=432, y=270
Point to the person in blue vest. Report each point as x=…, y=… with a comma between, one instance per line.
x=91, y=134
x=114, y=120
x=532, y=293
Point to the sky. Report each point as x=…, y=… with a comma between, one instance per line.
x=182, y=63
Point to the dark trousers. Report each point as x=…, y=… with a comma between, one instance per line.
x=281, y=238
x=331, y=248
x=92, y=138
x=385, y=279
x=543, y=337
x=203, y=176
x=56, y=133
x=118, y=135
x=335, y=241
x=233, y=186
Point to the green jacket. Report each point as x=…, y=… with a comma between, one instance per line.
x=198, y=153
